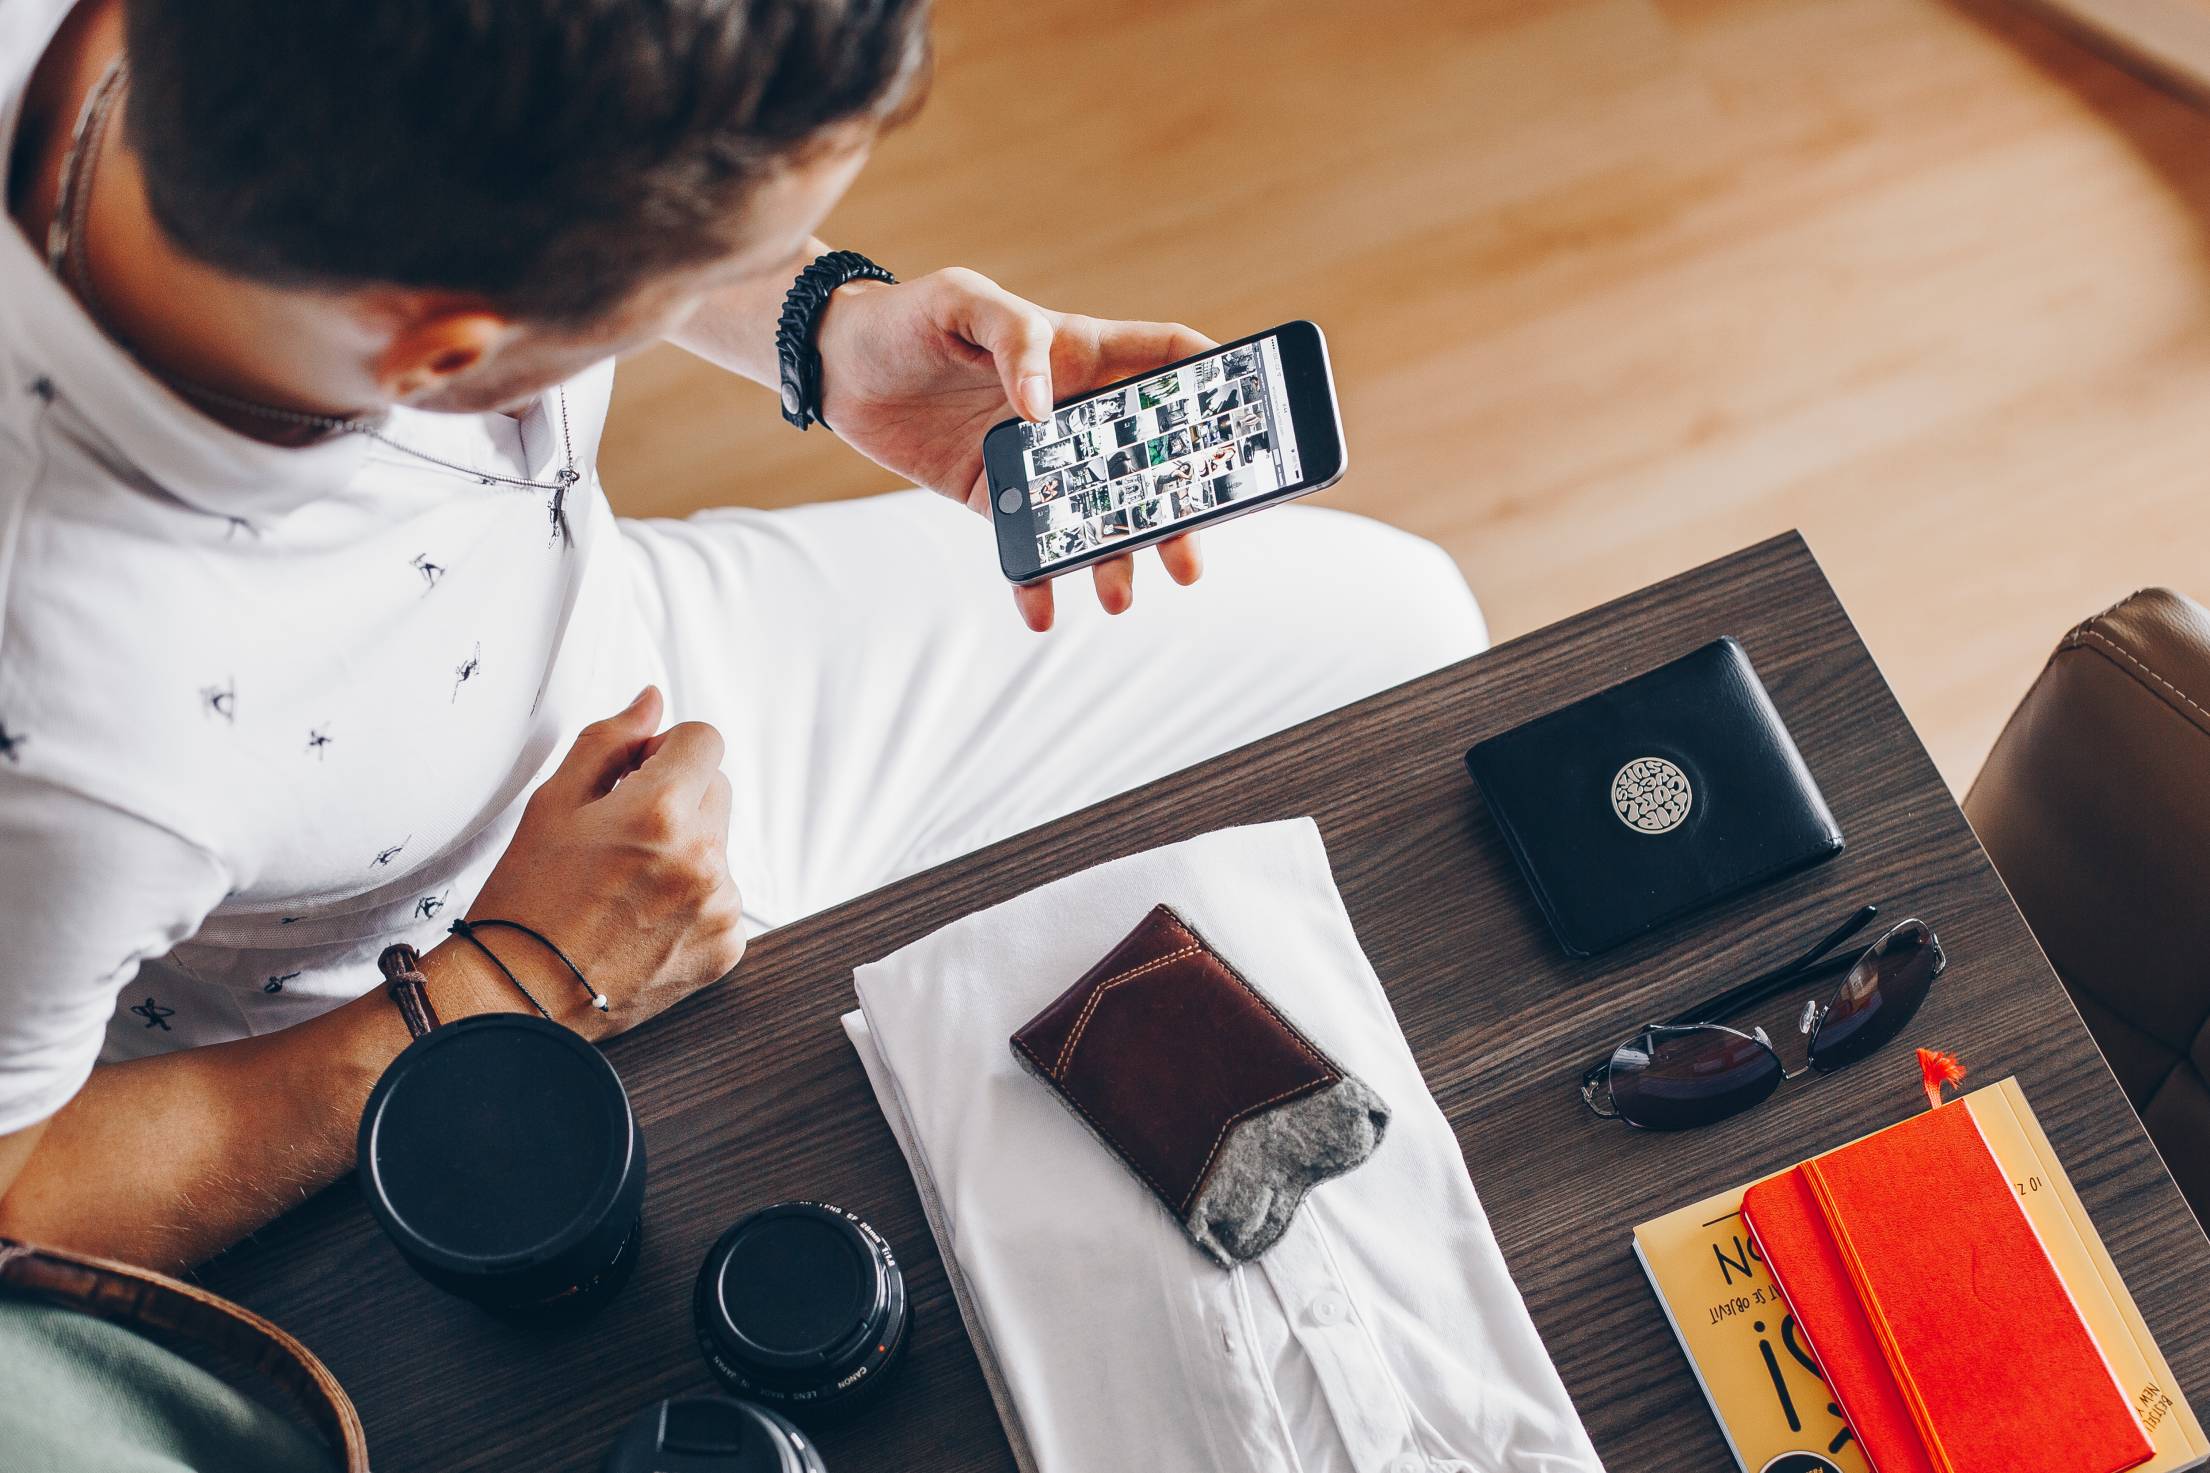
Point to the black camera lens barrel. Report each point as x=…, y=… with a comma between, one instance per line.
x=500, y=1155
x=711, y=1434
x=801, y=1306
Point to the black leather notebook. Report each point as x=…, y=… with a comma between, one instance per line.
x=1652, y=799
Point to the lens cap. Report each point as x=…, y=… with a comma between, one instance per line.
x=801, y=1306
x=711, y=1434
x=499, y=1153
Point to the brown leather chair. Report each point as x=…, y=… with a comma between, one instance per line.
x=2095, y=806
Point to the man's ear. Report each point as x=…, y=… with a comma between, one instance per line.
x=436, y=343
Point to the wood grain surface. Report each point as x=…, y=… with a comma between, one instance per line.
x=749, y=1093
x=1612, y=287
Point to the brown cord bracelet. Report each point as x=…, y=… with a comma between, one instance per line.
x=402, y=969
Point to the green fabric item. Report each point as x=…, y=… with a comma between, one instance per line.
x=79, y=1395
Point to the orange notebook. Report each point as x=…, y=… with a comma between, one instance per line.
x=1906, y=1258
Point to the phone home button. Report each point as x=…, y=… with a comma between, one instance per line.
x=1009, y=501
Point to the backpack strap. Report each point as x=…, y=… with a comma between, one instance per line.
x=170, y=1308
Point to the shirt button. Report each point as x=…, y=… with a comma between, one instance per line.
x=1329, y=1308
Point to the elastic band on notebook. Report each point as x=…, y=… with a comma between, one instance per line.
x=1878, y=1319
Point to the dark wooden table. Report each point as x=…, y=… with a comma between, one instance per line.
x=750, y=1093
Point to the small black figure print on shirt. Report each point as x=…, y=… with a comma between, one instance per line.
x=466, y=670
x=276, y=984
x=237, y=525
x=155, y=1014
x=388, y=855
x=287, y=920
x=11, y=743
x=428, y=906
x=430, y=571
x=318, y=737
x=42, y=389
x=220, y=700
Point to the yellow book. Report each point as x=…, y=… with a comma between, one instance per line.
x=1763, y=1386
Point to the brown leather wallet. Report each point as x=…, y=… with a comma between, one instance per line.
x=1217, y=1103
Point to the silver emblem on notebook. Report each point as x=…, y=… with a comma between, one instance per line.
x=1651, y=795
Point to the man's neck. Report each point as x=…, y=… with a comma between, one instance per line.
x=188, y=324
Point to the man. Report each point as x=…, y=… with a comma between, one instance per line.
x=310, y=589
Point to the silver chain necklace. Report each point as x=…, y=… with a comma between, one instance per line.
x=66, y=259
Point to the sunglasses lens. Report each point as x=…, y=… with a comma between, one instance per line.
x=1675, y=1080
x=1878, y=996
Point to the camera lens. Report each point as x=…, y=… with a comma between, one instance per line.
x=711, y=1434
x=801, y=1306
x=499, y=1153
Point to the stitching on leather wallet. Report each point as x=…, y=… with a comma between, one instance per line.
x=1096, y=1124
x=1330, y=1073
x=1066, y=1050
x=1197, y=1182
x=1295, y=1033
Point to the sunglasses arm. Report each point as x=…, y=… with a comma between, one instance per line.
x=1812, y=964
x=1758, y=989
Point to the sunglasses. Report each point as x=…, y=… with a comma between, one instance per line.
x=1692, y=1071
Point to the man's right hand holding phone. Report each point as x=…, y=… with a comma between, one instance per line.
x=913, y=375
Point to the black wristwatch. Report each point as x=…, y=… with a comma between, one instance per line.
x=795, y=329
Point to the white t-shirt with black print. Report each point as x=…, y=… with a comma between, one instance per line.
x=263, y=712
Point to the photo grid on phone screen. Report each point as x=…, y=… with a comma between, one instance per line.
x=1176, y=446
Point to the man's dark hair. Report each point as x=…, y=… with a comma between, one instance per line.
x=547, y=155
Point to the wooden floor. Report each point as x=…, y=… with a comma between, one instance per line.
x=1613, y=286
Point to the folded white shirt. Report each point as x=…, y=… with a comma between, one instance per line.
x=1382, y=1334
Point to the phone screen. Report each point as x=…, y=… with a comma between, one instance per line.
x=1140, y=458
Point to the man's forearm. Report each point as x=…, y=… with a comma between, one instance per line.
x=166, y=1161
x=735, y=327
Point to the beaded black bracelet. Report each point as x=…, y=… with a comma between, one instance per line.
x=799, y=360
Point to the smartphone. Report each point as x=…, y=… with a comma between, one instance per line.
x=1234, y=429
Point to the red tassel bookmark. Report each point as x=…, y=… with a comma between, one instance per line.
x=1937, y=1069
